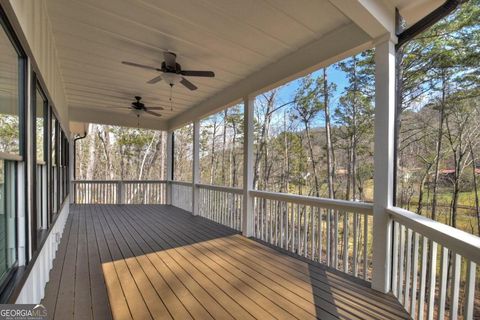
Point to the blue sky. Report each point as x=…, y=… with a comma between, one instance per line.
x=334, y=75
x=287, y=92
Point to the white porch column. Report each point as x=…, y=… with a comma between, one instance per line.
x=248, y=214
x=169, y=175
x=383, y=163
x=71, y=168
x=196, y=167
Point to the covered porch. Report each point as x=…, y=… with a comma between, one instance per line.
x=165, y=248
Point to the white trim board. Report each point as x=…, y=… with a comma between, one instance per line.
x=33, y=289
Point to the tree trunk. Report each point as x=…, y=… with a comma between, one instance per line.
x=104, y=137
x=420, y=191
x=263, y=136
x=438, y=151
x=286, y=170
x=224, y=145
x=328, y=138
x=92, y=161
x=212, y=160
x=475, y=187
x=312, y=158
x=233, y=158
x=144, y=158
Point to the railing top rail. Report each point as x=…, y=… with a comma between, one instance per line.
x=461, y=242
x=335, y=204
x=181, y=183
x=220, y=188
x=119, y=181
x=11, y=157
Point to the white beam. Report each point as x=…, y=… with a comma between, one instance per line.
x=71, y=167
x=248, y=214
x=383, y=163
x=196, y=167
x=375, y=17
x=169, y=176
x=330, y=48
x=115, y=119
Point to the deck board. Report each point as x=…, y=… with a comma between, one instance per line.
x=159, y=262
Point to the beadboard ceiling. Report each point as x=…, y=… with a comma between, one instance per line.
x=235, y=39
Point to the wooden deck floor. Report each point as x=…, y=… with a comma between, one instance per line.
x=145, y=262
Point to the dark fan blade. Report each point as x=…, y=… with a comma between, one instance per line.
x=133, y=64
x=155, y=80
x=153, y=113
x=156, y=108
x=119, y=108
x=170, y=58
x=188, y=84
x=191, y=73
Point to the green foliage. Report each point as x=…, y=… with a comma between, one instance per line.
x=10, y=133
x=440, y=110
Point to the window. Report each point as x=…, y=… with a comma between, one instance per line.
x=53, y=162
x=10, y=64
x=12, y=94
x=8, y=253
x=40, y=103
x=41, y=167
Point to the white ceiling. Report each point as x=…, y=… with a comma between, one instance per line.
x=232, y=38
x=235, y=39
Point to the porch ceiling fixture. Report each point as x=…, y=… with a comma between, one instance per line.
x=139, y=107
x=172, y=71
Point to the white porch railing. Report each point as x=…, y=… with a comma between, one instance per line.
x=334, y=232
x=119, y=192
x=221, y=204
x=182, y=195
x=434, y=268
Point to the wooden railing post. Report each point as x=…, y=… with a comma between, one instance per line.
x=383, y=163
x=169, y=176
x=248, y=206
x=196, y=167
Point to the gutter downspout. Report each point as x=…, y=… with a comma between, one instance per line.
x=75, y=154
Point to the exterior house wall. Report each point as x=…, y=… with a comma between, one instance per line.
x=36, y=30
x=33, y=28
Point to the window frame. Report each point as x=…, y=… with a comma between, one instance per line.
x=7, y=283
x=22, y=86
x=39, y=234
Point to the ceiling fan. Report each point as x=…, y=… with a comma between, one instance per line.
x=172, y=71
x=139, y=107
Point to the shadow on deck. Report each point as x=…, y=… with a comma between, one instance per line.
x=156, y=261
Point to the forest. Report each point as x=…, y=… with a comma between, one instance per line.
x=315, y=135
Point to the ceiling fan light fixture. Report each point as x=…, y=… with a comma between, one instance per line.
x=137, y=112
x=172, y=72
x=172, y=78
